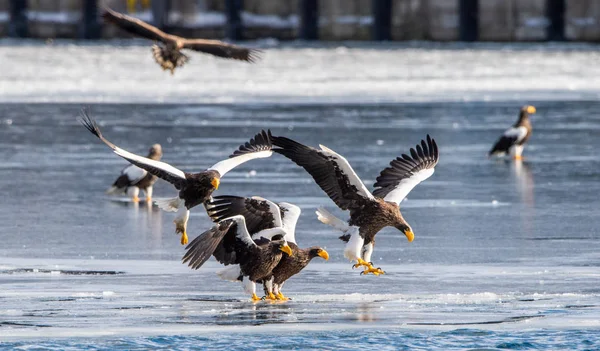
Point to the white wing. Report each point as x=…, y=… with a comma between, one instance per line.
x=406, y=185
x=134, y=173
x=257, y=147
x=230, y=163
x=157, y=168
x=517, y=133
x=344, y=165
x=242, y=232
x=269, y=233
x=291, y=213
x=404, y=173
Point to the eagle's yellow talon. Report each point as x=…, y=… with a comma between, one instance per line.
x=135, y=199
x=184, y=238
x=375, y=271
x=281, y=297
x=148, y=199
x=360, y=263
x=255, y=298
x=271, y=297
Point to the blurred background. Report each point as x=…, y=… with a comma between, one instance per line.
x=437, y=20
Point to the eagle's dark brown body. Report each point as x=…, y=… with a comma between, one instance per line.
x=198, y=187
x=292, y=265
x=374, y=215
x=524, y=121
x=260, y=263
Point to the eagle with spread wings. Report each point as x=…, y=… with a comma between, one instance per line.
x=167, y=51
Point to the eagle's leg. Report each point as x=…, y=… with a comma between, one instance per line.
x=278, y=294
x=518, y=157
x=148, y=192
x=255, y=298
x=268, y=287
x=133, y=192
x=181, y=224
x=367, y=251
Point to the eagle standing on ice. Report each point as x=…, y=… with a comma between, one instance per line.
x=514, y=138
x=133, y=178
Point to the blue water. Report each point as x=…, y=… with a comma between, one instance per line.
x=387, y=339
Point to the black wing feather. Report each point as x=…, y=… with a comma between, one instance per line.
x=426, y=156
x=134, y=25
x=206, y=244
x=256, y=212
x=503, y=145
x=260, y=142
x=221, y=49
x=324, y=171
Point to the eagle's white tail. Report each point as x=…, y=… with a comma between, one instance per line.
x=113, y=190
x=328, y=218
x=231, y=273
x=169, y=205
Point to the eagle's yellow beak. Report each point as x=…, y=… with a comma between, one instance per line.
x=287, y=249
x=409, y=235
x=530, y=109
x=322, y=253
x=215, y=183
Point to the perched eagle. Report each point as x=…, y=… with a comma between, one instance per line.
x=369, y=212
x=133, y=178
x=514, y=138
x=194, y=188
x=231, y=243
x=168, y=52
x=261, y=214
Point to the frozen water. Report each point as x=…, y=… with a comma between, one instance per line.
x=505, y=255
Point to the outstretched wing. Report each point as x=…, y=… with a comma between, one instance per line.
x=228, y=241
x=289, y=215
x=160, y=169
x=331, y=171
x=404, y=173
x=258, y=147
x=222, y=49
x=511, y=136
x=259, y=213
x=130, y=175
x=134, y=25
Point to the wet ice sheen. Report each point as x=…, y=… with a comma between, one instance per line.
x=505, y=255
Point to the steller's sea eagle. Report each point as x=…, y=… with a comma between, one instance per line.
x=514, y=138
x=168, y=52
x=194, y=188
x=369, y=212
x=261, y=214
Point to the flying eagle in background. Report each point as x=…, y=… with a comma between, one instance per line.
x=261, y=214
x=514, y=138
x=369, y=212
x=133, y=178
x=167, y=52
x=231, y=243
x=194, y=188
